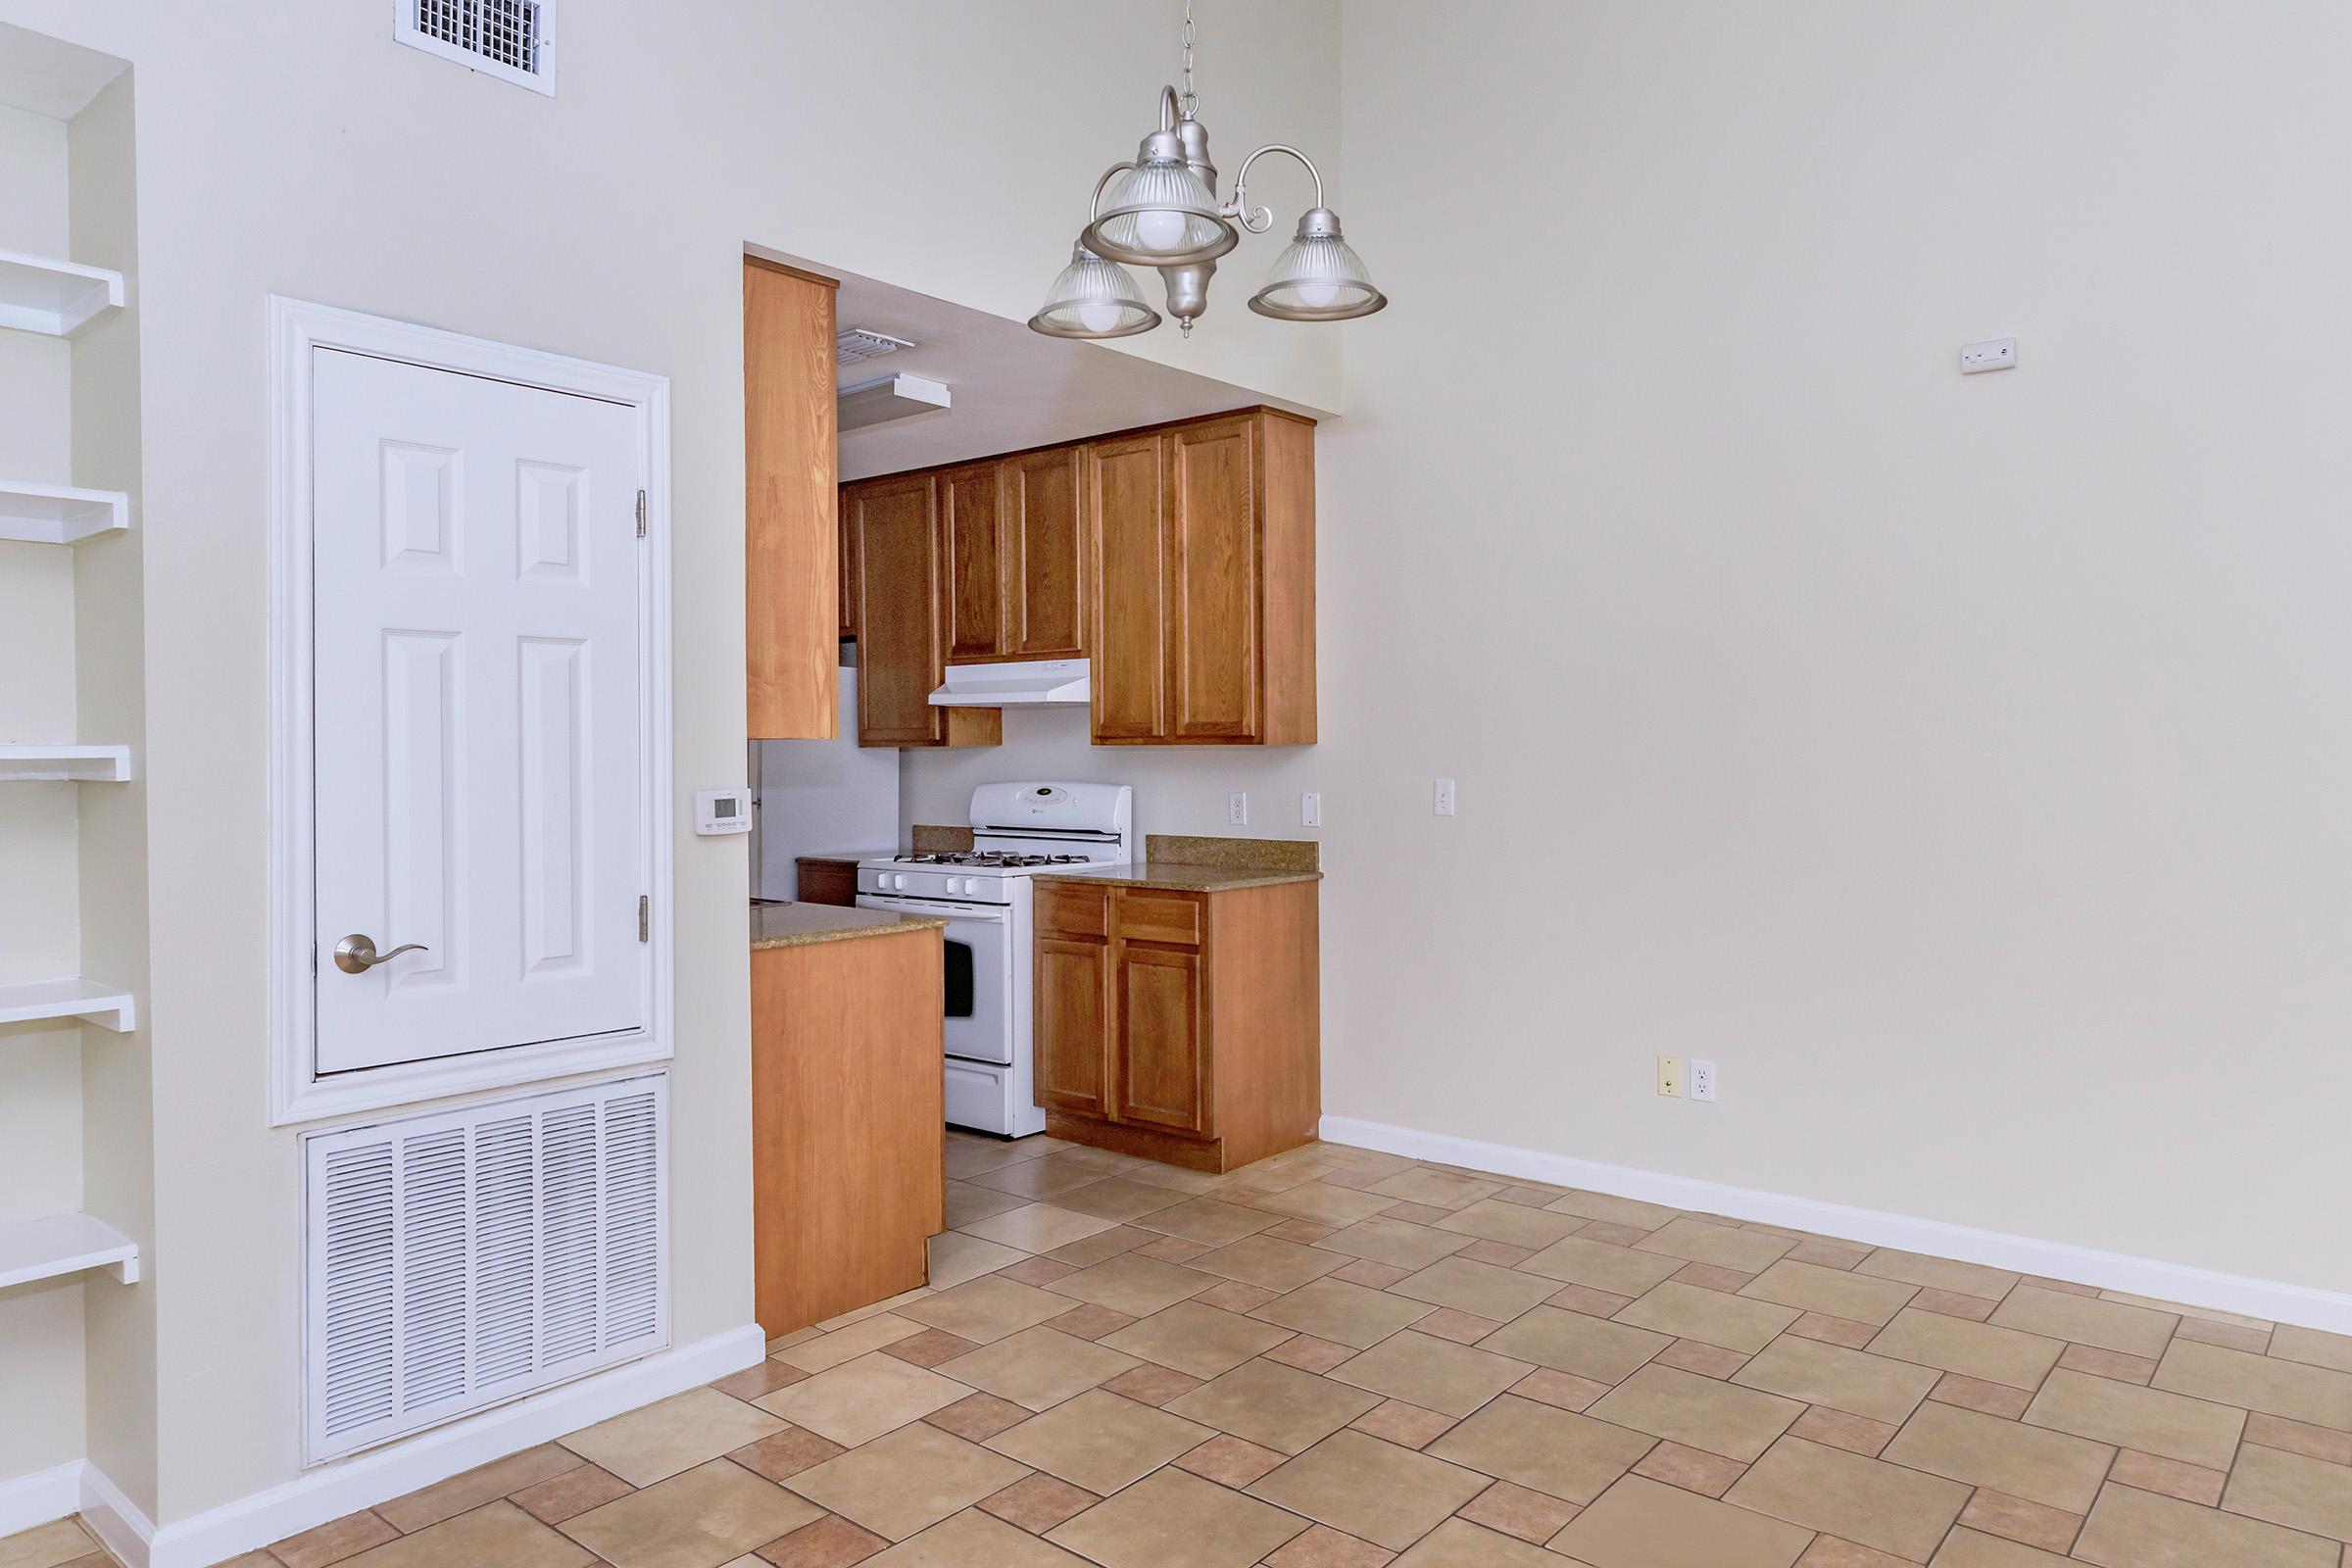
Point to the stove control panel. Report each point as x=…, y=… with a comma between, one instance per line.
x=927, y=882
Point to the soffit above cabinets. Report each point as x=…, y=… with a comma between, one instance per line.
x=1009, y=388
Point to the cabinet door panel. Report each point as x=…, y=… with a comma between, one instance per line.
x=1045, y=557
x=1125, y=500
x=970, y=518
x=1212, y=589
x=897, y=611
x=849, y=575
x=1159, y=1045
x=1073, y=1025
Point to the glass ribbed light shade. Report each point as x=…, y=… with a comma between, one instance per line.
x=1092, y=298
x=1318, y=278
x=1159, y=214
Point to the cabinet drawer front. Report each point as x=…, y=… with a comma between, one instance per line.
x=1146, y=915
x=1073, y=911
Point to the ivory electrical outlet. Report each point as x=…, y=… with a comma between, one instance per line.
x=1237, y=809
x=1670, y=1077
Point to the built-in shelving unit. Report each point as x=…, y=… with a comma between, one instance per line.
x=41, y=294
x=65, y=1243
x=33, y=1000
x=24, y=762
x=60, y=513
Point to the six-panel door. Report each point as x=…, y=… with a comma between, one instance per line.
x=481, y=763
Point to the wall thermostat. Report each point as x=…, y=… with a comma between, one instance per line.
x=723, y=811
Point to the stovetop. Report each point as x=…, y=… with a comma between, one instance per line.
x=989, y=860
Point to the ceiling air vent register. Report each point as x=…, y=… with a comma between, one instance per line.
x=855, y=345
x=510, y=40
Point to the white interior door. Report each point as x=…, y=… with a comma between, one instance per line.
x=480, y=756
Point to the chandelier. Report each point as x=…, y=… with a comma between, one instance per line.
x=1162, y=211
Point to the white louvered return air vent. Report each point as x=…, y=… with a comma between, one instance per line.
x=507, y=38
x=453, y=1261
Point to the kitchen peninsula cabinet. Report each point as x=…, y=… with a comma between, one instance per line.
x=1181, y=1024
x=847, y=1104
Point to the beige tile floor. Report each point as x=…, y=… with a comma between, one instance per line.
x=1342, y=1359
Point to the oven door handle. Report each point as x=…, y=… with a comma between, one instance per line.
x=938, y=909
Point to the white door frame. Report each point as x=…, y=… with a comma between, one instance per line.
x=297, y=1094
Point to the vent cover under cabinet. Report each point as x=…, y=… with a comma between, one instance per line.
x=505, y=38
x=453, y=1261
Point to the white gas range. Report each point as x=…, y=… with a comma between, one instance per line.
x=1018, y=830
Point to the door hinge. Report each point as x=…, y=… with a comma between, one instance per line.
x=640, y=514
x=645, y=917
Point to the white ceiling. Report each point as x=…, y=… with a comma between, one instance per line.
x=1011, y=387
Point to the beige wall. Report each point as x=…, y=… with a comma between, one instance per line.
x=110, y=669
x=300, y=151
x=1958, y=763
x=40, y=1066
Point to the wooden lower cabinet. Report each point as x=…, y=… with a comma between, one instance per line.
x=847, y=1185
x=817, y=880
x=1180, y=1026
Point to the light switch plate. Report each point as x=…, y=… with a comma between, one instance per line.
x=1311, y=810
x=723, y=811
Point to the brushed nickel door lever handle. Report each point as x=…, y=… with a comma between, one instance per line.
x=357, y=955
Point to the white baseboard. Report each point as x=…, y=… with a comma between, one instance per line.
x=116, y=1521
x=381, y=1473
x=2082, y=1265
x=40, y=1496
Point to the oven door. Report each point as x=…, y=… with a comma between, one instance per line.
x=978, y=1022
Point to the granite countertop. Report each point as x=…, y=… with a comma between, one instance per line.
x=1184, y=876
x=796, y=925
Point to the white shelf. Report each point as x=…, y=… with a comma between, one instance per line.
x=103, y=1005
x=41, y=294
x=94, y=765
x=59, y=514
x=65, y=1243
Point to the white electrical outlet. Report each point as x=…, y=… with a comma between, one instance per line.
x=1441, y=800
x=1311, y=810
x=1236, y=808
x=1670, y=1077
x=1993, y=354
x=1703, y=1079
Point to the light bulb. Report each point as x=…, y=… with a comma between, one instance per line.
x=1159, y=232
x=1095, y=317
x=1319, y=296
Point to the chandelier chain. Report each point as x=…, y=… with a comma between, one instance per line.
x=1188, y=103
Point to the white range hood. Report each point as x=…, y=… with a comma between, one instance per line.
x=1019, y=683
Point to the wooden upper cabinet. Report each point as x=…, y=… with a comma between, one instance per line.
x=791, y=532
x=973, y=526
x=1212, y=651
x=1179, y=560
x=1126, y=517
x=849, y=577
x=1204, y=545
x=900, y=545
x=1045, y=555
